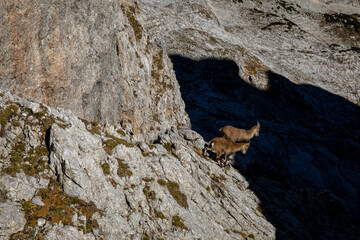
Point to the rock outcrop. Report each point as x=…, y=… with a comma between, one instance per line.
x=98, y=144
x=91, y=57
x=74, y=179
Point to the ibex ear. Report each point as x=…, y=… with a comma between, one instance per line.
x=258, y=124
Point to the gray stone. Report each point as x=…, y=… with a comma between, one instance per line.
x=68, y=233
x=37, y=200
x=21, y=187
x=12, y=219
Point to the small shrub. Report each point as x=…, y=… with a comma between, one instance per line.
x=43, y=192
x=158, y=60
x=41, y=114
x=251, y=236
x=7, y=114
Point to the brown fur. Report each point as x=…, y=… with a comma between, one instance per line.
x=240, y=135
x=223, y=146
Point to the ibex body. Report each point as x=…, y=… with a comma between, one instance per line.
x=240, y=135
x=223, y=146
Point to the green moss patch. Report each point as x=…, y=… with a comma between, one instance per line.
x=148, y=179
x=113, y=141
x=159, y=214
x=94, y=126
x=168, y=147
x=7, y=114
x=149, y=194
x=179, y=197
x=106, y=168
x=162, y=182
x=179, y=222
x=123, y=169
x=31, y=162
x=121, y=132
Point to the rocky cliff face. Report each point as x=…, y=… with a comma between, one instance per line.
x=91, y=57
x=82, y=180
x=102, y=149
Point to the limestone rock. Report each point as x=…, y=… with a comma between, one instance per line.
x=91, y=57
x=114, y=184
x=68, y=233
x=11, y=219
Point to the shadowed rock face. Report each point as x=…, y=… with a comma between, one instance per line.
x=304, y=166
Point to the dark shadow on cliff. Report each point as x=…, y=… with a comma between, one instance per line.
x=304, y=166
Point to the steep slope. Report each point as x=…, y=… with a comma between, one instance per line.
x=66, y=178
x=294, y=67
x=92, y=57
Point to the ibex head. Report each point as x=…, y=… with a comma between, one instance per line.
x=245, y=148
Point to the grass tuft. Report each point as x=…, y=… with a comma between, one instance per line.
x=179, y=222
x=106, y=168
x=179, y=197
x=123, y=170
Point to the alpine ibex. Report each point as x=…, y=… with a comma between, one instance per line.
x=223, y=146
x=240, y=135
